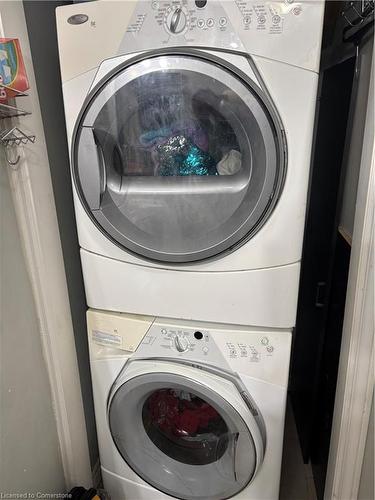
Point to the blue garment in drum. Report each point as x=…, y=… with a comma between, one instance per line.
x=179, y=156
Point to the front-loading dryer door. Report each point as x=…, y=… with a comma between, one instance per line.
x=185, y=431
x=178, y=156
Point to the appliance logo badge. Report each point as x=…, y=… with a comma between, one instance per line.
x=78, y=19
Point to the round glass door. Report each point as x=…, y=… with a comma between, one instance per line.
x=185, y=427
x=181, y=437
x=177, y=158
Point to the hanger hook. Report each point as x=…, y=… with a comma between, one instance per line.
x=10, y=162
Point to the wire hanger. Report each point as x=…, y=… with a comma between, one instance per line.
x=12, y=138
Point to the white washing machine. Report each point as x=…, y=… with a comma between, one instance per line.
x=188, y=410
x=190, y=128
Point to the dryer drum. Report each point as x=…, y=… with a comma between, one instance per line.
x=178, y=157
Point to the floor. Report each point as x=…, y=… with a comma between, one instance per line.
x=297, y=481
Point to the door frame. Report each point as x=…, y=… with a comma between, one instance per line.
x=355, y=383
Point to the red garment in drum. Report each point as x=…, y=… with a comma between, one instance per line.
x=178, y=415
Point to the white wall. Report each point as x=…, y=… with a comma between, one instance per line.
x=45, y=57
x=53, y=374
x=30, y=458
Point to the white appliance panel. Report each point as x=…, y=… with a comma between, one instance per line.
x=265, y=297
x=269, y=394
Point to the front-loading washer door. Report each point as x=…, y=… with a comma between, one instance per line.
x=177, y=156
x=183, y=437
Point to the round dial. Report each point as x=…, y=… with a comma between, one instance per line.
x=176, y=20
x=181, y=343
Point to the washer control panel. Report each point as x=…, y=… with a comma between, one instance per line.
x=251, y=352
x=254, y=351
x=188, y=342
x=252, y=346
x=261, y=354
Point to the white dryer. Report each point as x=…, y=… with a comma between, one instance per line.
x=190, y=127
x=188, y=410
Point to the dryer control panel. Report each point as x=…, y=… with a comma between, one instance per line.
x=196, y=17
x=181, y=23
x=286, y=30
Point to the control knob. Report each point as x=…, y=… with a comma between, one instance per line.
x=176, y=21
x=181, y=343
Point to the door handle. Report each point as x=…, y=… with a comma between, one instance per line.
x=235, y=451
x=320, y=295
x=90, y=167
x=102, y=166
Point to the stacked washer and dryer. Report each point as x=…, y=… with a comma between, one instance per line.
x=190, y=128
